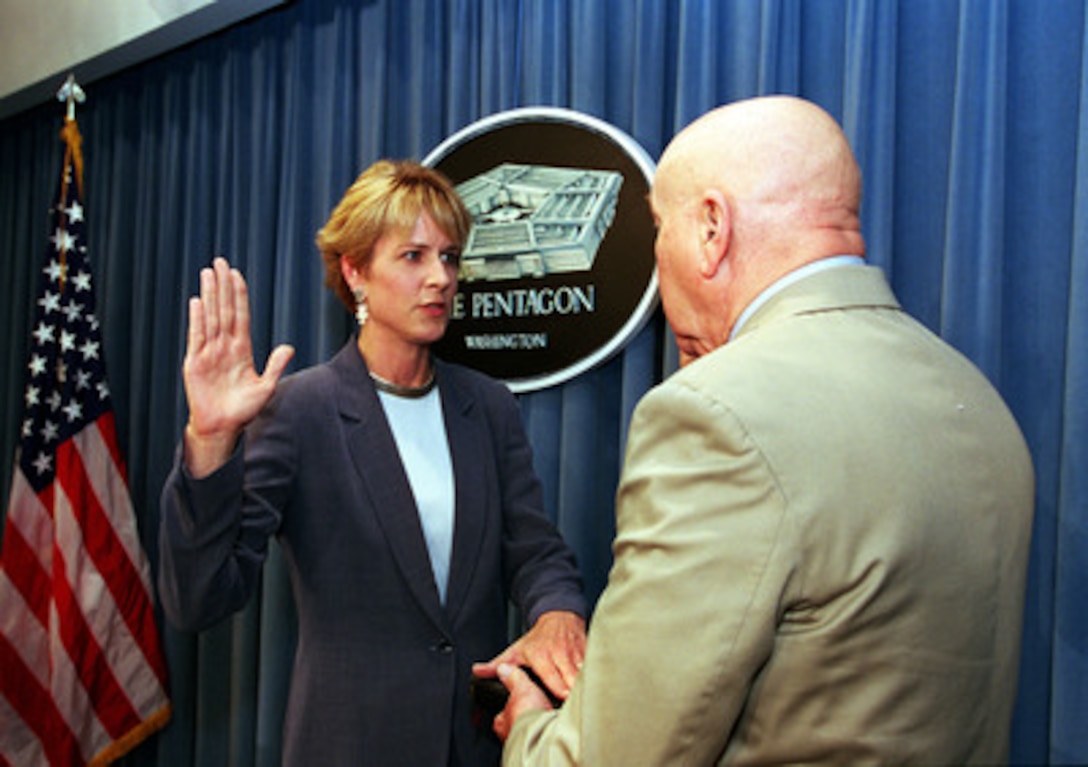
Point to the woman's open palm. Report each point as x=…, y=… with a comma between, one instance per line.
x=222, y=386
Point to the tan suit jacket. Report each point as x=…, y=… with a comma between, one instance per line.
x=822, y=538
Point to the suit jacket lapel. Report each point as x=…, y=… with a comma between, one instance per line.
x=467, y=450
x=389, y=495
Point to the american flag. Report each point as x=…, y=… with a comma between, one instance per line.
x=83, y=678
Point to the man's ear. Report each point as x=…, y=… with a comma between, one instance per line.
x=715, y=231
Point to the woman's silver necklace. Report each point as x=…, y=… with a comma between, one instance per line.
x=411, y=392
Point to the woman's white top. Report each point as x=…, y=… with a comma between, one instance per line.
x=420, y=433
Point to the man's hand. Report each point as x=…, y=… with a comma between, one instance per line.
x=524, y=696
x=222, y=386
x=554, y=649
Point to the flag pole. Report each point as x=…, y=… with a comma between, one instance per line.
x=71, y=93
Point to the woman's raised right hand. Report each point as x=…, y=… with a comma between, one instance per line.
x=222, y=386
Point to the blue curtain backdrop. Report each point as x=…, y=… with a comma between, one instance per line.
x=968, y=116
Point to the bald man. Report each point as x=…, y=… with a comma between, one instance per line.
x=824, y=517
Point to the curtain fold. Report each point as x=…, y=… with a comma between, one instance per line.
x=969, y=118
x=971, y=284
x=1070, y=695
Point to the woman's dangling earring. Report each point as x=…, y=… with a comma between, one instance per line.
x=361, y=312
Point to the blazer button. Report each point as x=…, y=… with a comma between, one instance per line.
x=442, y=647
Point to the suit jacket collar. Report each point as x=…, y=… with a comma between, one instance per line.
x=841, y=288
x=374, y=453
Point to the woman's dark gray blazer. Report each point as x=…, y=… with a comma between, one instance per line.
x=381, y=667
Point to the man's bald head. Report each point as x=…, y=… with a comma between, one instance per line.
x=770, y=150
x=744, y=195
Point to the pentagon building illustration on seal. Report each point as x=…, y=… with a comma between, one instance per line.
x=533, y=220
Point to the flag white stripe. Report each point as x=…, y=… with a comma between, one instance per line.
x=72, y=700
x=26, y=634
x=19, y=746
x=31, y=519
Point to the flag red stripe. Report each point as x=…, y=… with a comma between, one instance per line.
x=107, y=424
x=37, y=708
x=111, y=703
x=110, y=557
x=25, y=572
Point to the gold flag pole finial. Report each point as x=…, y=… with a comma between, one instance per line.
x=72, y=93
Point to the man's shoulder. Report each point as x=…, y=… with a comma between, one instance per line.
x=744, y=362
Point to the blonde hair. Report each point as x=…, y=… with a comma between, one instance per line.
x=387, y=195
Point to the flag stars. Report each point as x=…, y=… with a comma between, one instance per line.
x=37, y=365
x=43, y=463
x=63, y=241
x=32, y=397
x=74, y=211
x=44, y=334
x=82, y=281
x=56, y=271
x=54, y=401
x=28, y=428
x=89, y=350
x=67, y=341
x=73, y=310
x=103, y=390
x=50, y=302
x=83, y=380
x=50, y=432
x=74, y=411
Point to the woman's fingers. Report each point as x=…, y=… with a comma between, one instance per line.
x=239, y=303
x=196, y=326
x=209, y=304
x=223, y=306
x=277, y=361
x=224, y=294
